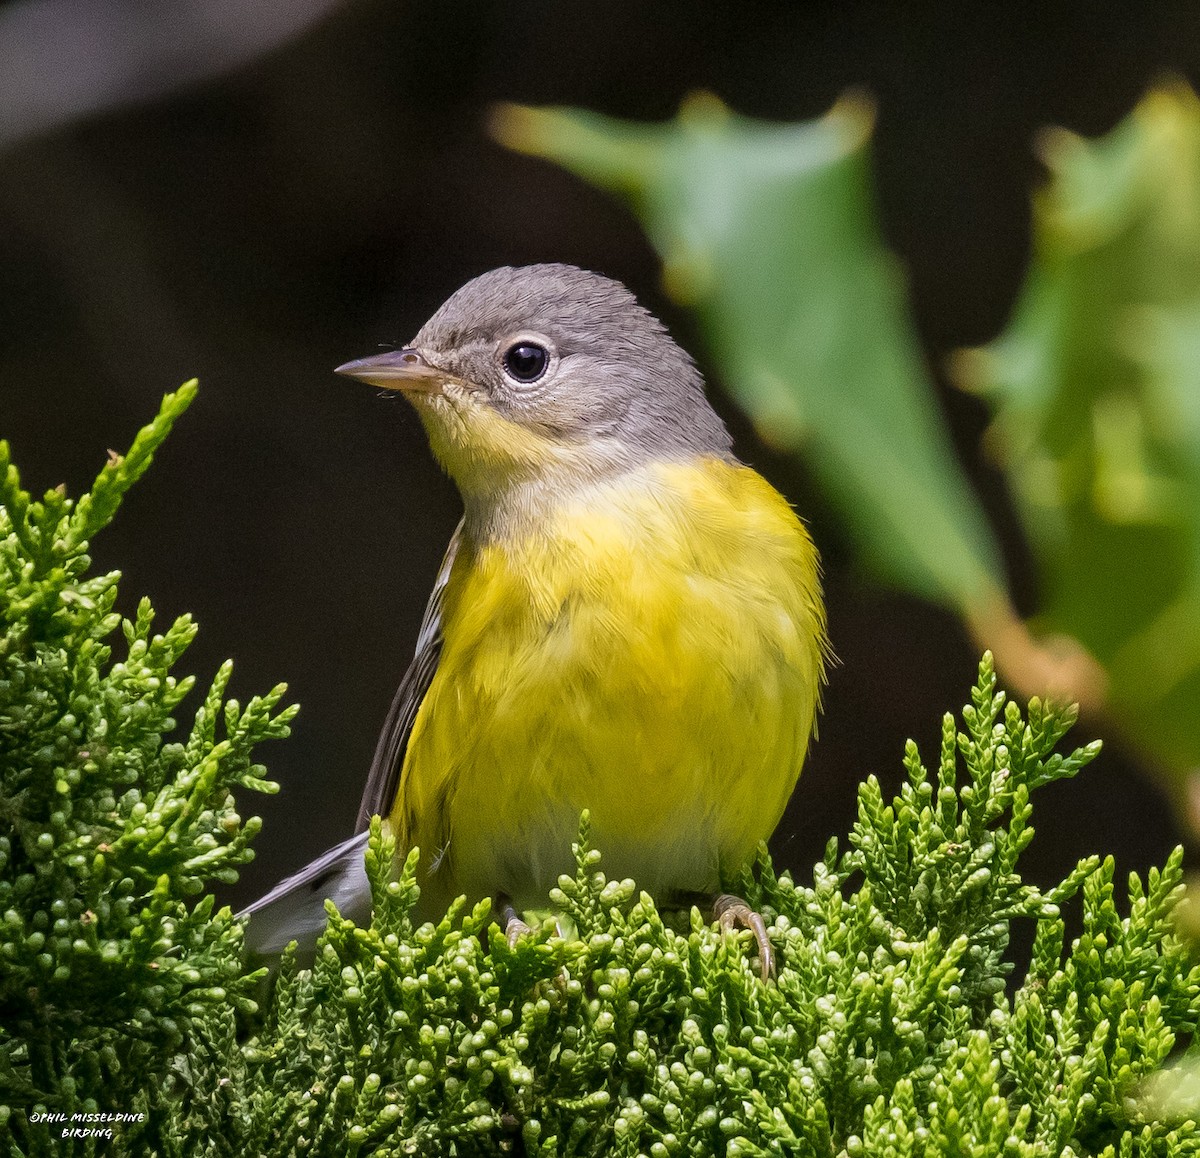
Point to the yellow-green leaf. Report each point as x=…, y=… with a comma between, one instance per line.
x=1096, y=385
x=769, y=231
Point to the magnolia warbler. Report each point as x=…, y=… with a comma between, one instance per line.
x=628, y=620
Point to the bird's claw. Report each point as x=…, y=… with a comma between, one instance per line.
x=514, y=930
x=732, y=912
x=514, y=927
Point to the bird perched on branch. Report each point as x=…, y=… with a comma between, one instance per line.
x=628, y=620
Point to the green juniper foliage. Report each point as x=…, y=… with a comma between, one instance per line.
x=893, y=1027
x=117, y=987
x=888, y=1030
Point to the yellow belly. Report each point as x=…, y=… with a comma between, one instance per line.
x=654, y=655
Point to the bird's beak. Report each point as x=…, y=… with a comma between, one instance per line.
x=405, y=370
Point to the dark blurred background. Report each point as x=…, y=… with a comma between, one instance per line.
x=256, y=193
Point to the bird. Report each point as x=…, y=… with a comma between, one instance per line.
x=628, y=620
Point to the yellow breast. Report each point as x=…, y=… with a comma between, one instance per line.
x=653, y=653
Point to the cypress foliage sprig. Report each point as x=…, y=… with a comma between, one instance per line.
x=109, y=826
x=888, y=1031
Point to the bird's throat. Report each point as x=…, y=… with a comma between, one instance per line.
x=514, y=478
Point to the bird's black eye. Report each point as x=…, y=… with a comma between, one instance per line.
x=526, y=361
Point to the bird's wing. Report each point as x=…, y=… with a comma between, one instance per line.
x=384, y=777
x=294, y=910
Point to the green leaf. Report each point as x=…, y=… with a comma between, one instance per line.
x=1096, y=385
x=769, y=232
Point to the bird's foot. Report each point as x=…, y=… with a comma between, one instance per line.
x=731, y=913
x=510, y=919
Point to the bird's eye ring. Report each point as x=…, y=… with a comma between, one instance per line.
x=526, y=361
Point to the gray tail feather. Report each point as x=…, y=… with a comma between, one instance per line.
x=294, y=910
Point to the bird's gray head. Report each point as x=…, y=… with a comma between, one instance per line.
x=543, y=369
